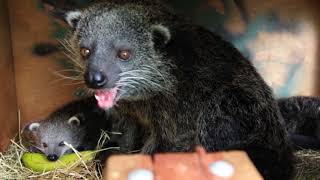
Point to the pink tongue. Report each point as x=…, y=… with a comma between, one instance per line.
x=105, y=98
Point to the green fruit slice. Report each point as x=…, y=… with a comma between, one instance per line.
x=39, y=162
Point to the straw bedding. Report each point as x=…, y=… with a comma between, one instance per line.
x=308, y=167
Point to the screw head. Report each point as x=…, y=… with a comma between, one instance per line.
x=141, y=174
x=222, y=169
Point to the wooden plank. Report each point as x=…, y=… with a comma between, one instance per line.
x=118, y=167
x=37, y=93
x=8, y=102
x=174, y=166
x=177, y=166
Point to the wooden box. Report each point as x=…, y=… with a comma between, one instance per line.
x=30, y=88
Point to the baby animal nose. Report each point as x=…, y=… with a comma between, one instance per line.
x=52, y=157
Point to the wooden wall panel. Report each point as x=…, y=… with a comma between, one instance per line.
x=36, y=93
x=280, y=37
x=8, y=105
x=305, y=43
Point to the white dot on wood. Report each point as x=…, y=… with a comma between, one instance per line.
x=140, y=174
x=222, y=169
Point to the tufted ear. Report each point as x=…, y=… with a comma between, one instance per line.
x=33, y=126
x=71, y=17
x=161, y=35
x=74, y=121
x=67, y=14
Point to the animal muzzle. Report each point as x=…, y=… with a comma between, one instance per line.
x=95, y=79
x=52, y=157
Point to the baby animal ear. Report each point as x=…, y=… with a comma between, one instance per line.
x=33, y=126
x=74, y=120
x=70, y=15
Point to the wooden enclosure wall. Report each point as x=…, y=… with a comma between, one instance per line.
x=8, y=105
x=280, y=37
x=38, y=92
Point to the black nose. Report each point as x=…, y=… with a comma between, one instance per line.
x=52, y=157
x=95, y=79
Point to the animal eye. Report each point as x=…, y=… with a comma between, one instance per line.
x=124, y=54
x=45, y=145
x=61, y=144
x=85, y=52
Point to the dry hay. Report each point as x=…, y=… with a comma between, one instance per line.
x=11, y=166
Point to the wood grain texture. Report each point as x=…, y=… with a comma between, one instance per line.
x=37, y=93
x=8, y=105
x=118, y=167
x=176, y=166
x=273, y=50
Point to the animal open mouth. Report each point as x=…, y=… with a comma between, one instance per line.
x=106, y=98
